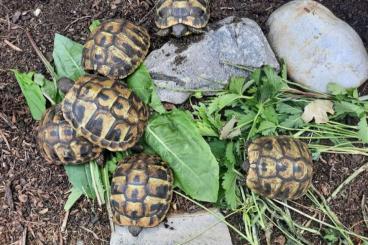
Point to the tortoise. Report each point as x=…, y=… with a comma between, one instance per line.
x=181, y=17
x=116, y=48
x=60, y=144
x=141, y=193
x=279, y=167
x=104, y=111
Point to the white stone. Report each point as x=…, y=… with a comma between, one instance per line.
x=201, y=228
x=37, y=12
x=209, y=60
x=317, y=47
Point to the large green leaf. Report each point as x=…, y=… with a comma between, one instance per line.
x=142, y=85
x=177, y=140
x=32, y=92
x=67, y=56
x=81, y=178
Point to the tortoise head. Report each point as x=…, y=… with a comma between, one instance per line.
x=65, y=84
x=135, y=230
x=179, y=30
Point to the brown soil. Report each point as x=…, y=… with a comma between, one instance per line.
x=32, y=193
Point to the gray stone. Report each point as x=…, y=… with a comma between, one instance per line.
x=207, y=62
x=200, y=228
x=318, y=47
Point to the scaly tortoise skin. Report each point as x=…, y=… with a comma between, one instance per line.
x=181, y=17
x=141, y=193
x=116, y=48
x=59, y=143
x=105, y=112
x=279, y=167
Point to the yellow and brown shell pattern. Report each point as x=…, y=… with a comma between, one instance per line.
x=105, y=112
x=193, y=13
x=116, y=48
x=141, y=192
x=279, y=167
x=58, y=141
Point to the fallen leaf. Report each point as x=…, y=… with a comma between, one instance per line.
x=229, y=131
x=318, y=110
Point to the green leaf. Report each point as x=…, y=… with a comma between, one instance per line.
x=176, y=139
x=73, y=197
x=230, y=160
x=270, y=114
x=218, y=148
x=363, y=130
x=292, y=121
x=80, y=177
x=48, y=88
x=142, y=85
x=344, y=107
x=266, y=128
x=236, y=85
x=67, y=56
x=288, y=109
x=97, y=183
x=230, y=187
x=336, y=89
x=94, y=25
x=205, y=129
x=32, y=92
x=222, y=101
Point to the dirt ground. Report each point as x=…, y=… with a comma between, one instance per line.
x=32, y=193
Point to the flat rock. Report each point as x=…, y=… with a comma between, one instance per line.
x=207, y=62
x=196, y=228
x=318, y=47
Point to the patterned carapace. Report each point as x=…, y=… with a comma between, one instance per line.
x=141, y=191
x=279, y=167
x=191, y=13
x=58, y=141
x=116, y=48
x=105, y=112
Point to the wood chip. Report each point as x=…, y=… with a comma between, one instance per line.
x=9, y=196
x=43, y=211
x=12, y=46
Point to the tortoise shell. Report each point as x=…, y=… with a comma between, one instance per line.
x=105, y=112
x=191, y=13
x=141, y=191
x=116, y=48
x=279, y=167
x=59, y=143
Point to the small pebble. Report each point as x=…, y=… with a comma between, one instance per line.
x=37, y=12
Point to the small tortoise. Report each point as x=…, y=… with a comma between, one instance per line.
x=141, y=193
x=279, y=167
x=181, y=17
x=116, y=48
x=59, y=142
x=104, y=111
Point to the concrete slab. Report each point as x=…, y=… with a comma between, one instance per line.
x=199, y=228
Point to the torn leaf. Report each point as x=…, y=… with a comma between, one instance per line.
x=318, y=110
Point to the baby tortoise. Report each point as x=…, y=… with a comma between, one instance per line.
x=181, y=17
x=141, y=193
x=116, y=48
x=279, y=167
x=59, y=143
x=104, y=111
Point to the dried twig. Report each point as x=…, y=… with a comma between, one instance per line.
x=7, y=122
x=65, y=221
x=364, y=211
x=148, y=14
x=12, y=46
x=24, y=237
x=348, y=180
x=47, y=64
x=94, y=234
x=5, y=140
x=9, y=196
x=76, y=20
